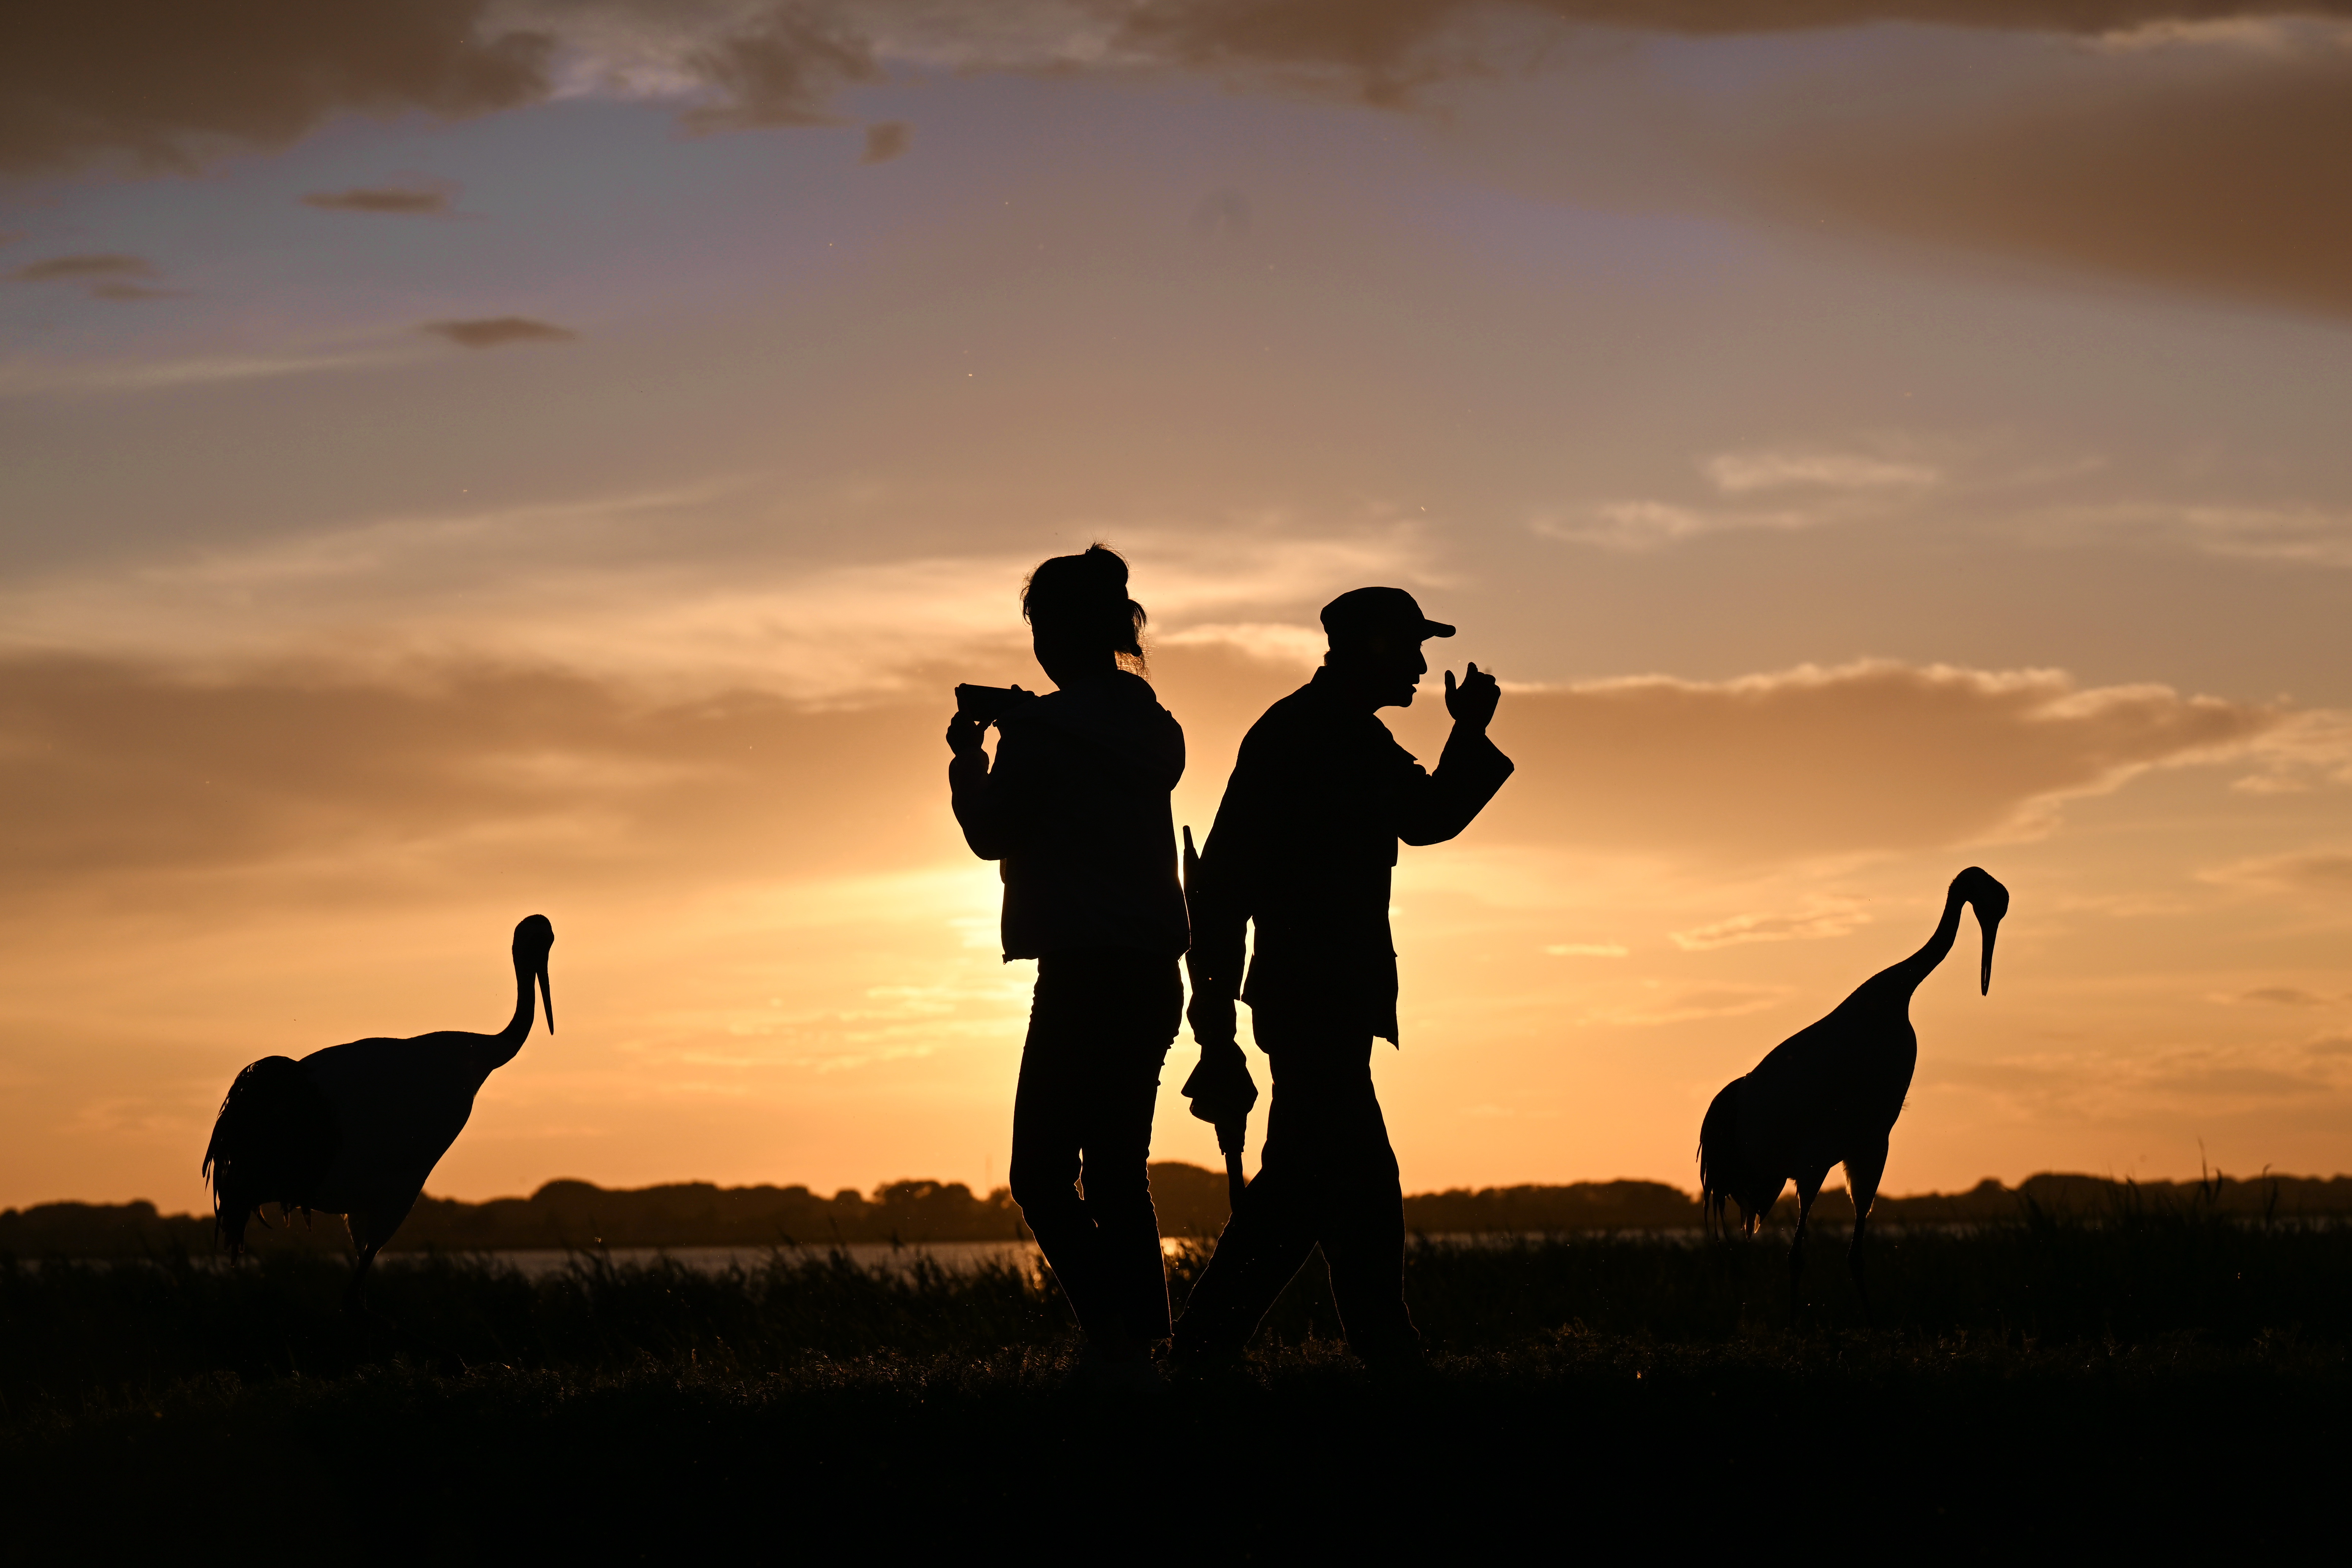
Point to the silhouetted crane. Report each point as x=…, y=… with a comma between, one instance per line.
x=356, y=1129
x=1829, y=1094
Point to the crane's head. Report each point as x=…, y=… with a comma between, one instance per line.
x=532, y=939
x=1990, y=902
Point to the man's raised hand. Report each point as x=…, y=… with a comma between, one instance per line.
x=1472, y=704
x=965, y=737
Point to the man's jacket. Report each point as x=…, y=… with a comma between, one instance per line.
x=1304, y=844
x=1076, y=810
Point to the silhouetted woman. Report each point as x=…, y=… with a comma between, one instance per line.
x=1076, y=808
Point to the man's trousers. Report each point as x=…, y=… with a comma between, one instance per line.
x=1328, y=1179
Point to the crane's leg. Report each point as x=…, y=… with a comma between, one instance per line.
x=370, y=1228
x=355, y=1293
x=1863, y=1175
x=1808, y=1187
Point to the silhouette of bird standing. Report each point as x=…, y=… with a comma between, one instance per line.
x=356, y=1129
x=1829, y=1094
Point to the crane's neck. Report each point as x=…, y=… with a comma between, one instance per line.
x=1922, y=964
x=504, y=1044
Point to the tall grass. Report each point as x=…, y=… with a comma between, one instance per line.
x=71, y=1333
x=1583, y=1385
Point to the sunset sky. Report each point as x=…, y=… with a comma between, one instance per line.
x=460, y=461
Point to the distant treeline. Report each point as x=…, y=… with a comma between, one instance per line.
x=1191, y=1201
x=1653, y=1205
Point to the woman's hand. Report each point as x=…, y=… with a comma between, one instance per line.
x=964, y=737
x=1212, y=1018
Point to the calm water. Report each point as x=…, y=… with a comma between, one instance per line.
x=538, y=1262
x=953, y=1255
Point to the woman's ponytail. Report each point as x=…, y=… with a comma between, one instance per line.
x=1082, y=599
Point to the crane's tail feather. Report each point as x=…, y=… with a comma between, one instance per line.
x=273, y=1141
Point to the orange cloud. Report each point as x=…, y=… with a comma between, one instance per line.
x=116, y=770
x=782, y=957
x=1864, y=757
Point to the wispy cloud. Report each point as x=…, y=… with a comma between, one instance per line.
x=1739, y=473
x=496, y=331
x=411, y=201
x=2206, y=1083
x=1692, y=1004
x=2321, y=537
x=2280, y=996
x=34, y=377
x=1834, y=918
x=1814, y=487
x=2311, y=750
x=600, y=585
x=2120, y=1084
x=2289, y=533
x=80, y=268
x=1636, y=525
x=1275, y=643
x=2325, y=872
x=2255, y=33
x=108, y=276
x=784, y=71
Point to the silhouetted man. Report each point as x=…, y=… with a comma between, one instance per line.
x=1304, y=844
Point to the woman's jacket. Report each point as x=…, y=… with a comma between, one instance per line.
x=1075, y=809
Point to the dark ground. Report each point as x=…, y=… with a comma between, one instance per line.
x=2170, y=1378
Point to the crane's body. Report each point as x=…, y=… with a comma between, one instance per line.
x=398, y=1105
x=1830, y=1094
x=357, y=1129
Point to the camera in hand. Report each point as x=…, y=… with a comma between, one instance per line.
x=987, y=704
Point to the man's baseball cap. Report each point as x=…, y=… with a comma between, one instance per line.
x=1377, y=612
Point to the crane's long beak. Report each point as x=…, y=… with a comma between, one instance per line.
x=548, y=997
x=1990, y=926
